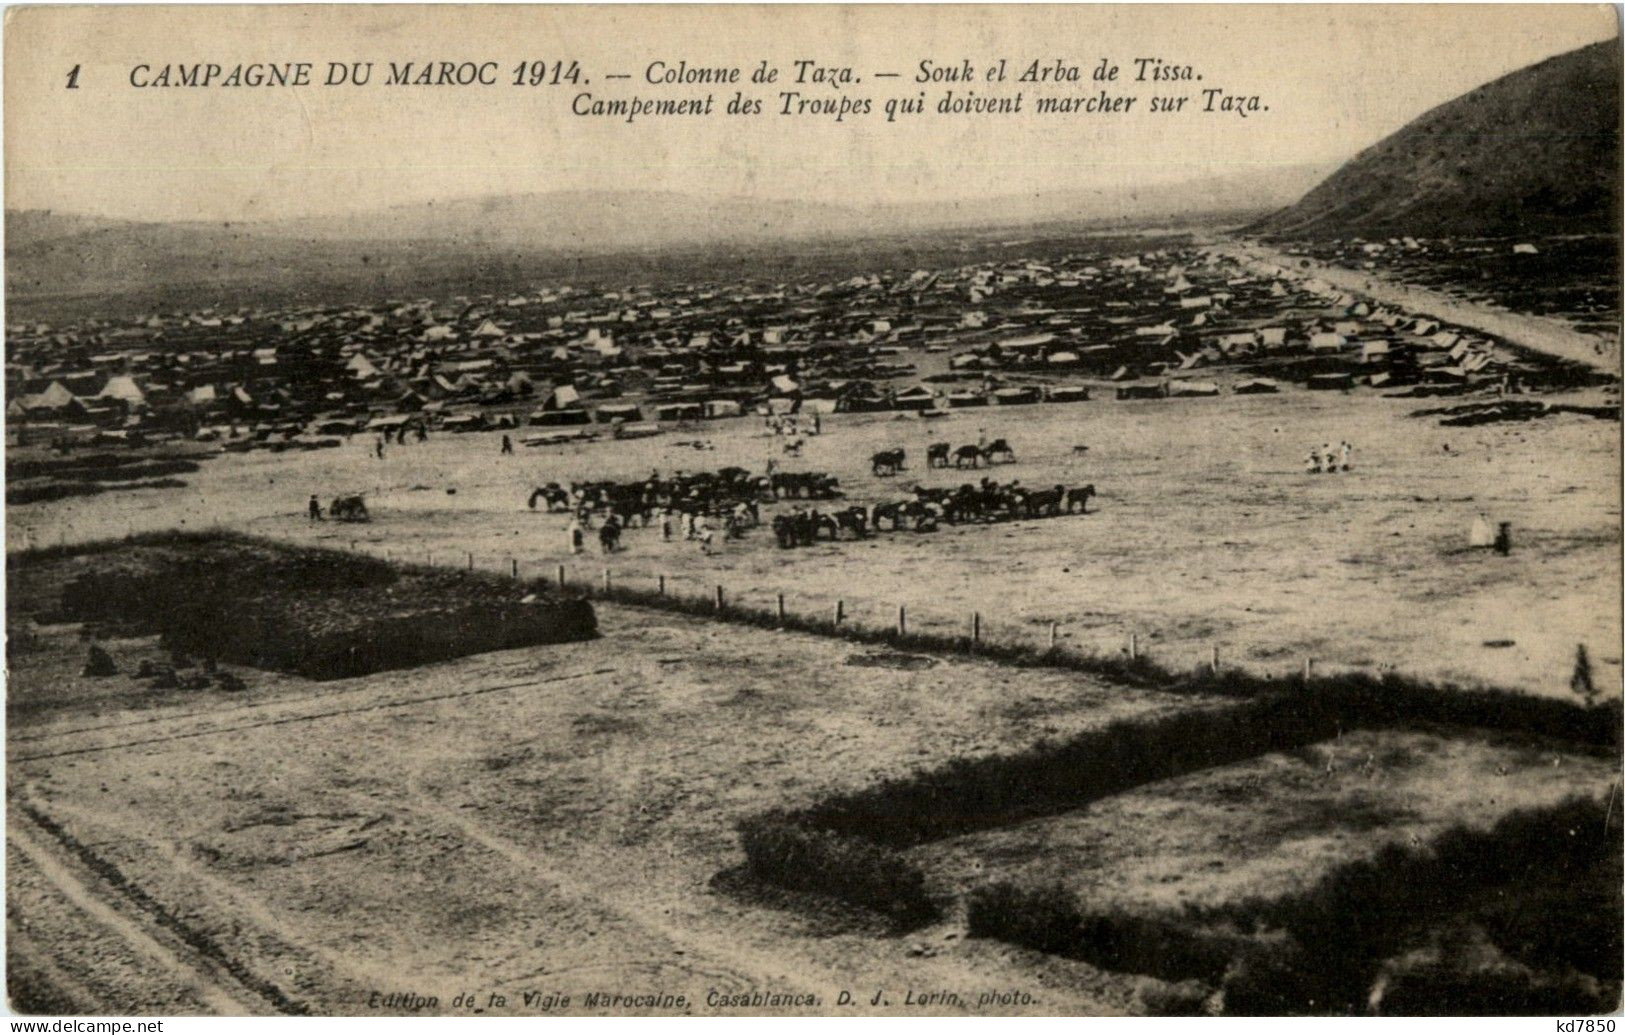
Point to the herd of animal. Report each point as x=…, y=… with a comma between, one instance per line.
x=735, y=496
x=716, y=494
x=940, y=454
x=930, y=508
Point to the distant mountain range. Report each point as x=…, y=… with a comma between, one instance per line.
x=1536, y=151
x=51, y=254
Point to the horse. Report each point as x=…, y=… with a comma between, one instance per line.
x=936, y=454
x=998, y=447
x=971, y=453
x=1046, y=502
x=888, y=461
x=893, y=512
x=784, y=531
x=348, y=508
x=1079, y=496
x=555, y=497
x=854, y=519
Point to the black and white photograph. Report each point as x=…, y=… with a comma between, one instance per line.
x=841, y=511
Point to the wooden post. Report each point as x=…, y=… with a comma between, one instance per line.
x=513, y=562
x=1308, y=669
x=840, y=612
x=1213, y=657
x=561, y=576
x=1133, y=646
x=471, y=560
x=902, y=620
x=781, y=608
x=719, y=596
x=606, y=580
x=975, y=628
x=662, y=585
x=1052, y=636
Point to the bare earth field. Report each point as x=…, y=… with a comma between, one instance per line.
x=547, y=820
x=1206, y=531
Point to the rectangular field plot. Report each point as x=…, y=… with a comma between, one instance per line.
x=1269, y=825
x=321, y=614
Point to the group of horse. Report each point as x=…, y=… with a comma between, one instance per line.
x=981, y=502
x=718, y=494
x=942, y=454
x=929, y=508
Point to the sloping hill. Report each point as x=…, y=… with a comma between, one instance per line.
x=1537, y=151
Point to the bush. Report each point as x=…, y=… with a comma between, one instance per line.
x=1049, y=919
x=1322, y=950
x=782, y=851
x=973, y=794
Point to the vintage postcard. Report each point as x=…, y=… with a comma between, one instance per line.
x=1055, y=510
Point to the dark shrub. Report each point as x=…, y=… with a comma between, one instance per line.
x=781, y=851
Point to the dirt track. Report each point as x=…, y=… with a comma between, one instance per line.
x=1542, y=334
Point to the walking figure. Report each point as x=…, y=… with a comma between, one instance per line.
x=507, y=446
x=315, y=508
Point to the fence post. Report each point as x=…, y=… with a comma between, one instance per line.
x=1213, y=657
x=561, y=576
x=606, y=580
x=781, y=608
x=840, y=612
x=902, y=620
x=662, y=585
x=975, y=628
x=1133, y=646
x=1052, y=636
x=471, y=560
x=719, y=596
x=1308, y=669
x=513, y=562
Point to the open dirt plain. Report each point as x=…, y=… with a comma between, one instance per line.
x=550, y=820
x=1206, y=531
x=559, y=821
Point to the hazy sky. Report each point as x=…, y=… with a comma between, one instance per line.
x=1335, y=79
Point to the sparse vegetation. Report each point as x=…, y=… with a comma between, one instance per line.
x=1321, y=950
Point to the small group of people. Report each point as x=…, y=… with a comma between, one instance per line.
x=419, y=432
x=696, y=528
x=792, y=424
x=1327, y=459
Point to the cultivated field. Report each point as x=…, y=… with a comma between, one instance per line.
x=1206, y=531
